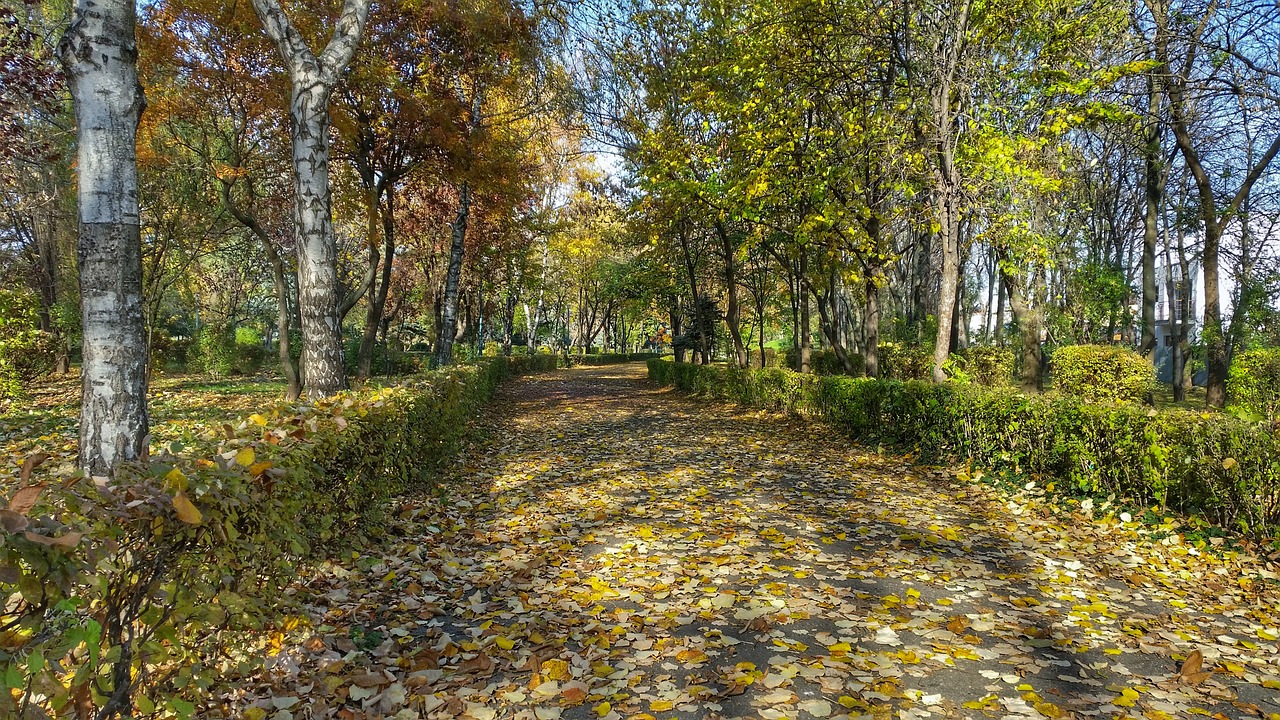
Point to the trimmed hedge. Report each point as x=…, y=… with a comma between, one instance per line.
x=824, y=361
x=1214, y=464
x=1254, y=384
x=130, y=596
x=1102, y=372
x=611, y=358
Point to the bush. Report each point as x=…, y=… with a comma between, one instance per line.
x=611, y=358
x=905, y=362
x=188, y=555
x=386, y=361
x=25, y=351
x=1254, y=384
x=986, y=364
x=1102, y=372
x=1227, y=468
x=825, y=362
x=213, y=353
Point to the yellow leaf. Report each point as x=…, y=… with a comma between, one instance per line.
x=187, y=512
x=840, y=647
x=1229, y=463
x=603, y=709
x=175, y=479
x=1267, y=634
x=258, y=468
x=556, y=669
x=245, y=457
x=661, y=705
x=504, y=643
x=258, y=420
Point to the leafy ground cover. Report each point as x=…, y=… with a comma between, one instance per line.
x=612, y=550
x=182, y=406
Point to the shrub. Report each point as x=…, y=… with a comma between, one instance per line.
x=25, y=351
x=611, y=358
x=905, y=362
x=986, y=364
x=1226, y=468
x=187, y=556
x=1254, y=384
x=825, y=362
x=213, y=353
x=1102, y=372
x=385, y=361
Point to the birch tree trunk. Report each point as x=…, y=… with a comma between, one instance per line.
x=312, y=79
x=99, y=56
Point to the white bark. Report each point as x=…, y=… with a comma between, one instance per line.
x=312, y=78
x=99, y=56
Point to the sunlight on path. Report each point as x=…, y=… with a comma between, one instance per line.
x=616, y=551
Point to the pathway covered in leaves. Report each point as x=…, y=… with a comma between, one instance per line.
x=613, y=550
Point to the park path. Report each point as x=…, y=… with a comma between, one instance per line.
x=614, y=550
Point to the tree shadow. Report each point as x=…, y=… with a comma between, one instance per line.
x=691, y=546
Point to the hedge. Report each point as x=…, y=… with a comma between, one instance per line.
x=611, y=358
x=131, y=596
x=1102, y=372
x=1254, y=384
x=1221, y=466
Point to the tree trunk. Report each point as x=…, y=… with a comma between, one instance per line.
x=733, y=312
x=1026, y=312
x=449, y=315
x=378, y=301
x=312, y=80
x=804, y=362
x=99, y=55
x=949, y=281
x=1153, y=186
x=871, y=331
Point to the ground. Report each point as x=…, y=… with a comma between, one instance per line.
x=613, y=550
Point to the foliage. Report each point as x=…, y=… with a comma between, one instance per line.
x=1254, y=384
x=900, y=361
x=1224, y=467
x=611, y=358
x=132, y=595
x=986, y=364
x=825, y=362
x=1102, y=372
x=25, y=351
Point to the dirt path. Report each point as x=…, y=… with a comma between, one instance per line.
x=614, y=551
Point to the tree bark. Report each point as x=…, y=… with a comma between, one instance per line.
x=99, y=55
x=871, y=330
x=733, y=311
x=312, y=80
x=449, y=315
x=1028, y=315
x=378, y=301
x=1153, y=186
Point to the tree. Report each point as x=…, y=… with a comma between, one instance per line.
x=312, y=79
x=99, y=56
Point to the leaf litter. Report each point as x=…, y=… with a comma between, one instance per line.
x=609, y=550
